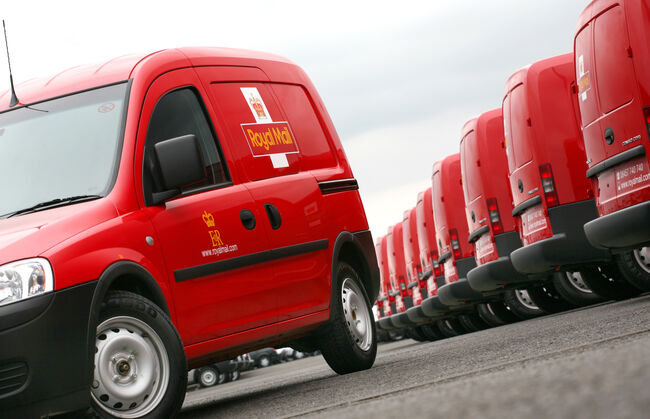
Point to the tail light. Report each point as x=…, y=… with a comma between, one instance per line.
x=493, y=213
x=455, y=243
x=646, y=116
x=548, y=186
x=437, y=270
x=402, y=283
x=419, y=270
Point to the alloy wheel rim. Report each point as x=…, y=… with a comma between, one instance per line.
x=132, y=368
x=357, y=314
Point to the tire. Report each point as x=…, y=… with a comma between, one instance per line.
x=450, y=327
x=415, y=334
x=235, y=375
x=635, y=267
x=349, y=343
x=496, y=313
x=472, y=322
x=207, y=376
x=430, y=332
x=521, y=305
x=572, y=287
x=264, y=361
x=135, y=335
x=608, y=282
x=547, y=299
x=394, y=335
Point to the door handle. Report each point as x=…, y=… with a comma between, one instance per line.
x=247, y=219
x=274, y=216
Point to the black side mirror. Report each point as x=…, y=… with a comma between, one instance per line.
x=180, y=163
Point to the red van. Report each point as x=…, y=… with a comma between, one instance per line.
x=397, y=272
x=552, y=197
x=492, y=229
x=386, y=298
x=415, y=283
x=432, y=272
x=168, y=211
x=612, y=69
x=456, y=254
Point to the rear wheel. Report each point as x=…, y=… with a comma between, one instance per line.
x=430, y=331
x=208, y=376
x=635, y=267
x=521, y=305
x=572, y=287
x=608, y=281
x=472, y=322
x=495, y=313
x=547, y=299
x=415, y=334
x=349, y=342
x=140, y=367
x=450, y=327
x=264, y=361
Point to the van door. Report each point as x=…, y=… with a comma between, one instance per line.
x=270, y=150
x=211, y=236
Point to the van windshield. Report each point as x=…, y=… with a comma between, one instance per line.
x=61, y=148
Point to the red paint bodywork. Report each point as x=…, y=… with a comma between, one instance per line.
x=412, y=254
x=612, y=66
x=242, y=308
x=449, y=213
x=541, y=127
x=427, y=241
x=485, y=177
x=397, y=266
x=381, y=250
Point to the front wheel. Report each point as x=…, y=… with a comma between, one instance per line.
x=349, y=343
x=140, y=367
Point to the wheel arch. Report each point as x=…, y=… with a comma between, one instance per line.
x=357, y=250
x=123, y=276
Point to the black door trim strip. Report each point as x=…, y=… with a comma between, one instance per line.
x=241, y=261
x=616, y=160
x=526, y=204
x=339, y=185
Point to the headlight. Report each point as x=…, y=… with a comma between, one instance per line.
x=24, y=279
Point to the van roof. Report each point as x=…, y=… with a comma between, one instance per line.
x=531, y=72
x=593, y=9
x=122, y=68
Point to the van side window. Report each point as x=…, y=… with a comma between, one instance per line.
x=179, y=113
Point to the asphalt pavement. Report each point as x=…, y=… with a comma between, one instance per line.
x=586, y=363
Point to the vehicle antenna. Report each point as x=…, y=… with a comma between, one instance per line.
x=14, y=100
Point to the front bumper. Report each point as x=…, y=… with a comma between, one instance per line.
x=567, y=248
x=44, y=353
x=622, y=230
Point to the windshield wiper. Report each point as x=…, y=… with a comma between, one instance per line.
x=57, y=202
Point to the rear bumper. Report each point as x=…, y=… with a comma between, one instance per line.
x=416, y=315
x=622, y=230
x=495, y=275
x=499, y=273
x=459, y=292
x=568, y=247
x=401, y=320
x=44, y=347
x=385, y=324
x=433, y=308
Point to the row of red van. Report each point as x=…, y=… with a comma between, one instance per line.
x=547, y=205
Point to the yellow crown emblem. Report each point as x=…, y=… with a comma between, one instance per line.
x=208, y=219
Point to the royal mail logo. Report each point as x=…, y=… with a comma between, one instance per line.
x=208, y=219
x=256, y=103
x=271, y=138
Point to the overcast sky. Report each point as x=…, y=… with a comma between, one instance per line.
x=399, y=78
